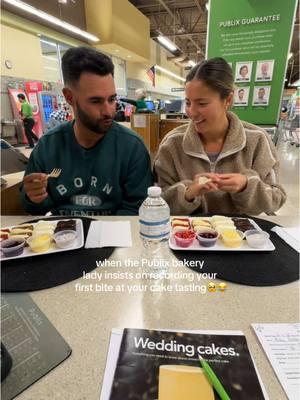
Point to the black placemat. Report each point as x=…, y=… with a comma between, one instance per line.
x=32, y=341
x=270, y=268
x=50, y=270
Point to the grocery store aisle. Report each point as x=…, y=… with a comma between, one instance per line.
x=289, y=177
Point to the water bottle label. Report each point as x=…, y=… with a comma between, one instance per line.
x=155, y=230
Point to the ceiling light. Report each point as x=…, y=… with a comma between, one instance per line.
x=49, y=43
x=50, y=58
x=207, y=6
x=166, y=43
x=129, y=56
x=53, y=20
x=191, y=63
x=290, y=55
x=169, y=73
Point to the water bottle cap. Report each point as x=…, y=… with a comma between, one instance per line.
x=154, y=191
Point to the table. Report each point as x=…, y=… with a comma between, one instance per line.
x=85, y=320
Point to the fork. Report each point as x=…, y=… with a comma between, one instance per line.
x=54, y=173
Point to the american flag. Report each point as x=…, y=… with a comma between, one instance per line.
x=151, y=75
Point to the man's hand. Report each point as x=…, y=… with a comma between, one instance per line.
x=197, y=188
x=35, y=186
x=232, y=183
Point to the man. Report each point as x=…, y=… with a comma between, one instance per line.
x=261, y=95
x=105, y=167
x=264, y=69
x=58, y=116
x=239, y=97
x=241, y=94
x=28, y=121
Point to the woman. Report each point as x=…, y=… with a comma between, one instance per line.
x=244, y=71
x=237, y=159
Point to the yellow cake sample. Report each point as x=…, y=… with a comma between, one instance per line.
x=220, y=228
x=219, y=218
x=40, y=244
x=231, y=238
x=201, y=222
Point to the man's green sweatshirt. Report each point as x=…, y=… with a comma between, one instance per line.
x=109, y=179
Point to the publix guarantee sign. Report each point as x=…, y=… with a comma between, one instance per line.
x=254, y=37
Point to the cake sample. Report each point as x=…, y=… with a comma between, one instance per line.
x=65, y=225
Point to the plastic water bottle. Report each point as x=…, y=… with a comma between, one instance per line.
x=154, y=219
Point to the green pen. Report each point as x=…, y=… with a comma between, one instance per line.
x=213, y=379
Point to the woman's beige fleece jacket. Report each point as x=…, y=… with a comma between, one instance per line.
x=247, y=150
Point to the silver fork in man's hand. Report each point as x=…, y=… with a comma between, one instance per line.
x=54, y=173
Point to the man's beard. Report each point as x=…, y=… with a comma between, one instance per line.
x=99, y=126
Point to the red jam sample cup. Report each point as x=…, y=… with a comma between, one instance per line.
x=184, y=238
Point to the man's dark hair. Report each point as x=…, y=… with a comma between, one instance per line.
x=21, y=96
x=77, y=60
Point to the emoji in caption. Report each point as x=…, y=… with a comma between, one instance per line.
x=222, y=286
x=211, y=287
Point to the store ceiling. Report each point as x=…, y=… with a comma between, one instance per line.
x=185, y=23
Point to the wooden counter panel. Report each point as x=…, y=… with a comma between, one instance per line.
x=167, y=125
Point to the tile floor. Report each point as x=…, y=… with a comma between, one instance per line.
x=289, y=177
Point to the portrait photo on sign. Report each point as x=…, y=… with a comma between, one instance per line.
x=243, y=71
x=264, y=70
x=261, y=95
x=241, y=96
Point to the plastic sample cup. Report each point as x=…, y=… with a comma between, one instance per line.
x=256, y=239
x=184, y=238
x=65, y=239
x=12, y=247
x=232, y=238
x=39, y=244
x=207, y=237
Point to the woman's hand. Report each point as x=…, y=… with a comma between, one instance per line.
x=232, y=183
x=199, y=187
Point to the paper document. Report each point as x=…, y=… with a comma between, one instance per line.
x=281, y=343
x=114, y=349
x=289, y=235
x=139, y=121
x=109, y=233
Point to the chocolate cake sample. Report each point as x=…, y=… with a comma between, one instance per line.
x=242, y=224
x=65, y=225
